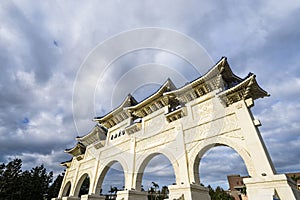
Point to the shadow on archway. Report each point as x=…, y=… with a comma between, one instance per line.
x=82, y=186
x=67, y=189
x=84, y=189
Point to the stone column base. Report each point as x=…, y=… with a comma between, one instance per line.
x=92, y=197
x=70, y=198
x=266, y=186
x=131, y=195
x=188, y=192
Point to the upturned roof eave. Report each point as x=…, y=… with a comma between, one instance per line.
x=212, y=72
x=80, y=138
x=71, y=150
x=245, y=83
x=93, y=131
x=158, y=93
x=116, y=110
x=198, y=80
x=66, y=163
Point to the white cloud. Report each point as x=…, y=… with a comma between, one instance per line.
x=49, y=161
x=43, y=44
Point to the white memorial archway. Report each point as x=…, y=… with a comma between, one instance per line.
x=182, y=124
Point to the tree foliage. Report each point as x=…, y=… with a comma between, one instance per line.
x=55, y=187
x=10, y=180
x=219, y=194
x=16, y=184
x=295, y=178
x=155, y=194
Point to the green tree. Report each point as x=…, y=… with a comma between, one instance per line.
x=10, y=180
x=151, y=191
x=211, y=192
x=113, y=192
x=36, y=183
x=26, y=181
x=55, y=187
x=156, y=186
x=164, y=192
x=218, y=194
x=295, y=178
x=18, y=185
x=2, y=168
x=244, y=190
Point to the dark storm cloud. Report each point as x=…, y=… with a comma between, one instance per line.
x=33, y=94
x=43, y=44
x=37, y=52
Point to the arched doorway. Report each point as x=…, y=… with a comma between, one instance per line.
x=222, y=170
x=83, y=185
x=155, y=174
x=111, y=180
x=67, y=189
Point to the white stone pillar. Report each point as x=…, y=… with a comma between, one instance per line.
x=75, y=181
x=92, y=197
x=71, y=198
x=62, y=186
x=183, y=185
x=181, y=157
x=253, y=140
x=265, y=187
x=190, y=192
x=93, y=179
x=129, y=175
x=131, y=195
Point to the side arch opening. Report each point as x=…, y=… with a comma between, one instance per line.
x=67, y=189
x=82, y=186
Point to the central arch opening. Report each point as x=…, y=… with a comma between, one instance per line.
x=222, y=170
x=156, y=175
x=111, y=180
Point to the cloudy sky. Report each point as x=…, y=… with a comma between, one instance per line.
x=44, y=44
